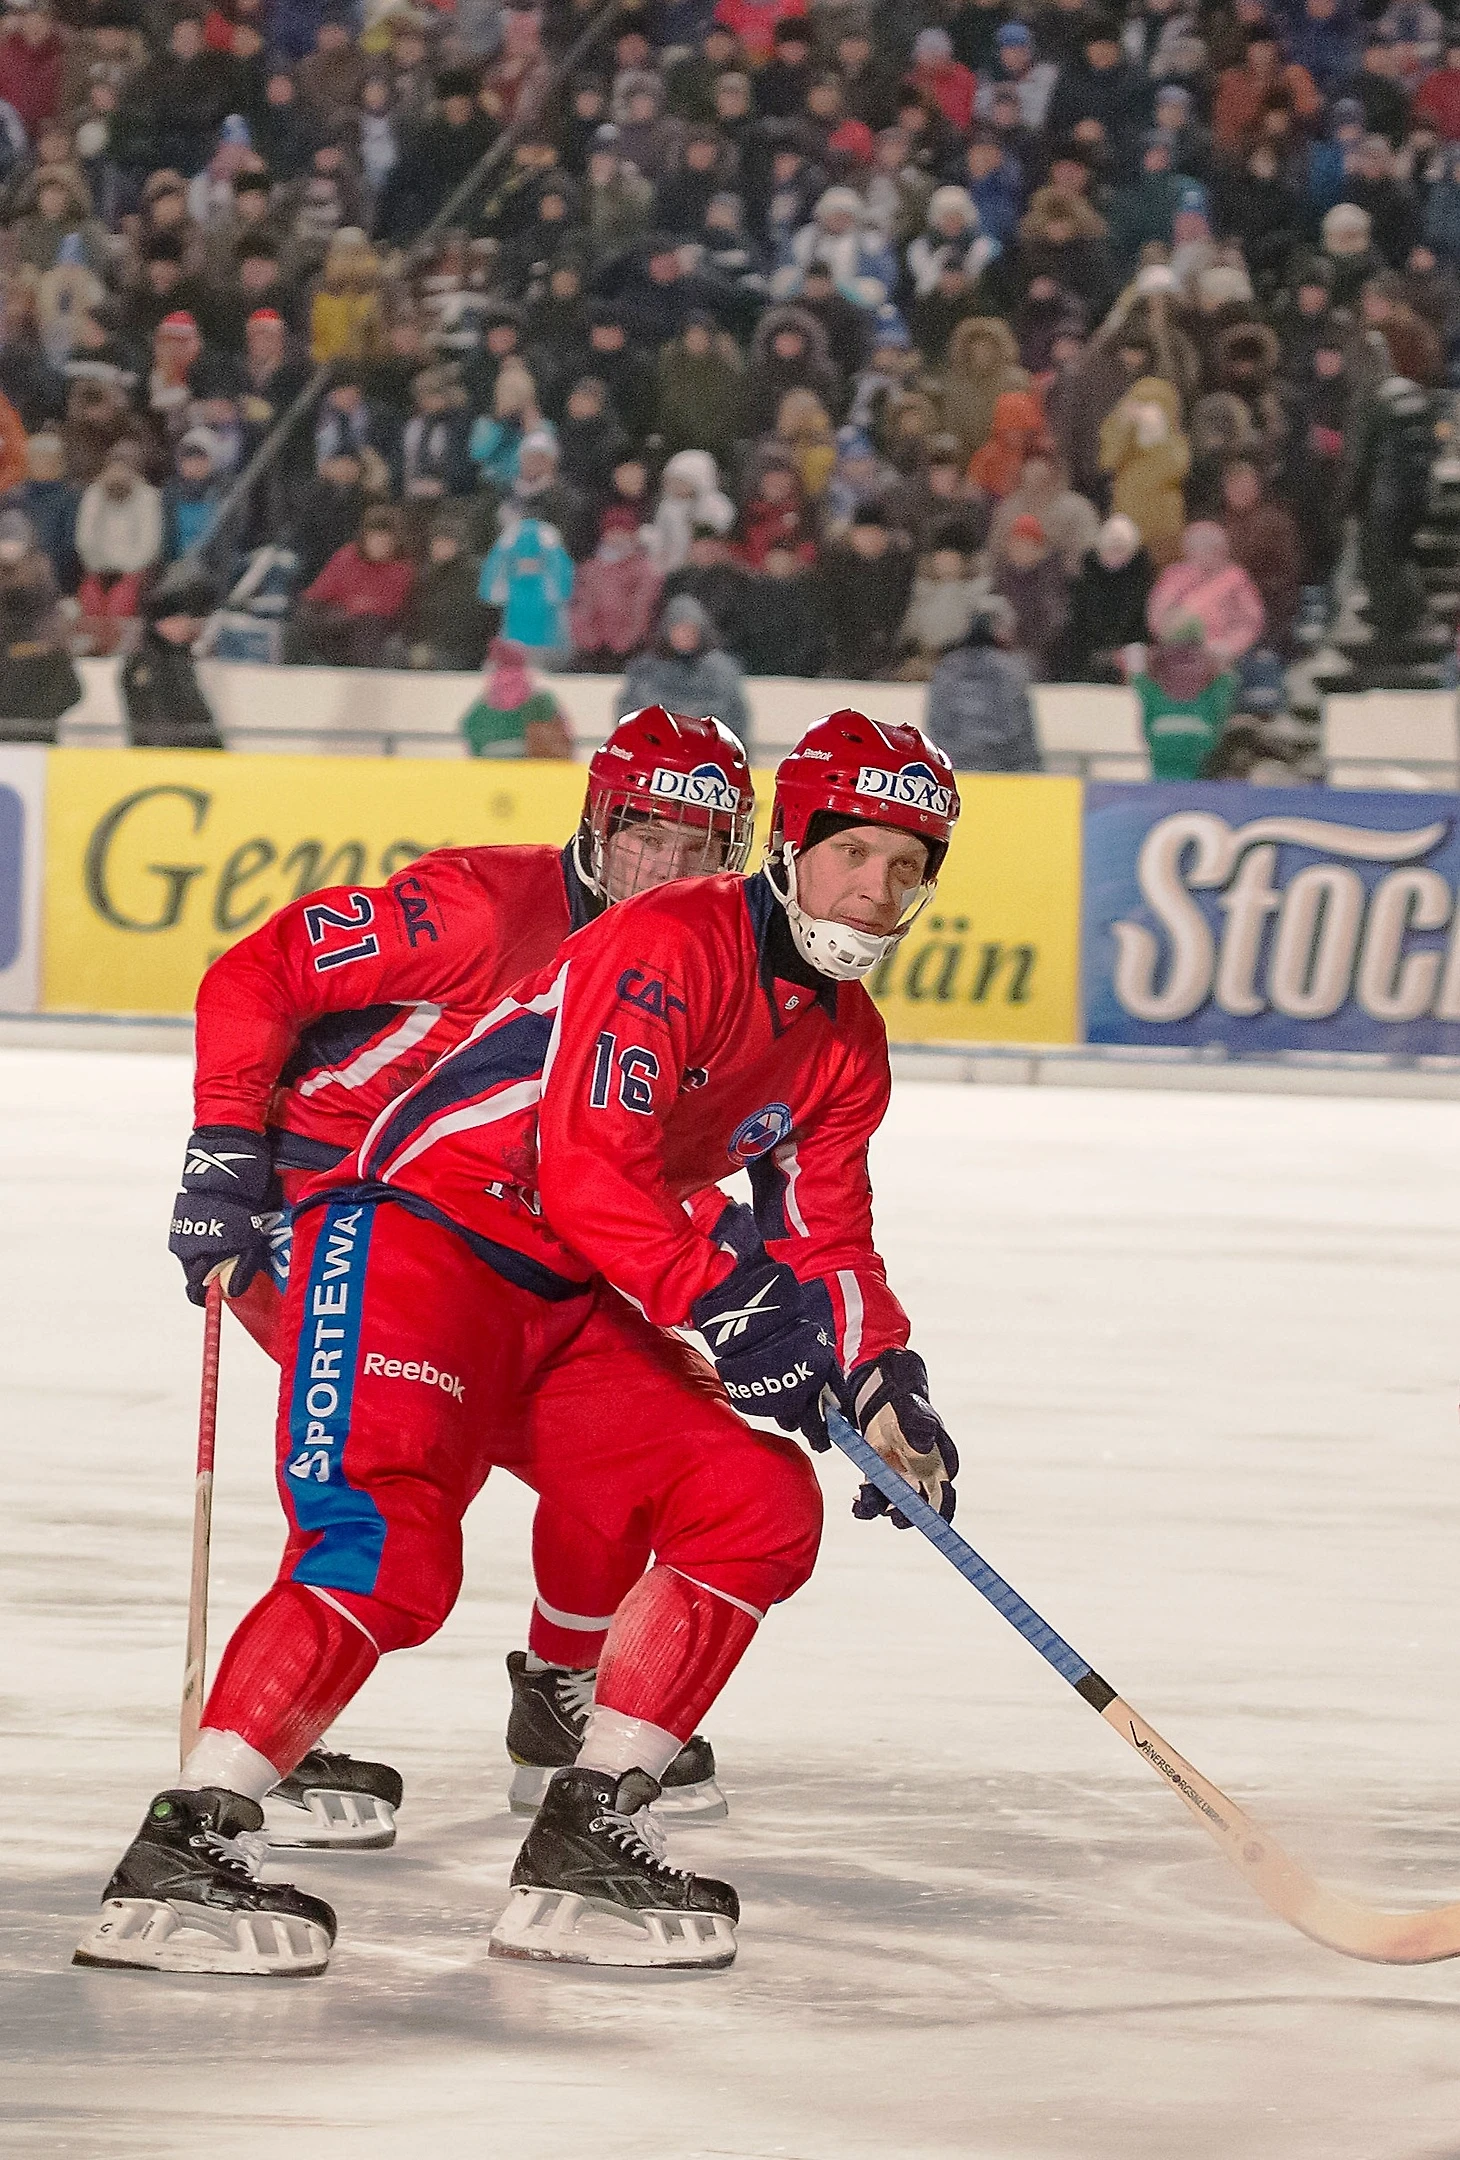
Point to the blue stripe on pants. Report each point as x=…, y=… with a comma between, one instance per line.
x=352, y=1529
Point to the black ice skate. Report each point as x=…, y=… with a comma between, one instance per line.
x=186, y=1897
x=591, y=1887
x=545, y=1731
x=332, y=1803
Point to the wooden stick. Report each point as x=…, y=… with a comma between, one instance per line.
x=1329, y=1917
x=195, y=1663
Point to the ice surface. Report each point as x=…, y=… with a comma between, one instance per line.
x=1201, y=1355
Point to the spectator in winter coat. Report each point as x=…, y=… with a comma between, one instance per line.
x=361, y=595
x=1263, y=79
x=1144, y=451
x=776, y=512
x=591, y=440
x=1016, y=430
x=979, y=708
x=434, y=462
x=190, y=497
x=1264, y=542
x=866, y=583
x=945, y=595
x=859, y=476
x=788, y=352
x=685, y=671
x=781, y=630
x=1207, y=587
x=995, y=185
x=1186, y=696
x=512, y=718
x=951, y=236
x=529, y=576
x=1029, y=575
x=701, y=390
x=165, y=705
x=856, y=252
x=51, y=502
x=1107, y=607
x=937, y=498
x=689, y=494
x=1317, y=478
x=445, y=625
x=945, y=81
x=119, y=539
x=615, y=597
x=38, y=681
x=804, y=434
x=983, y=363
x=32, y=67
x=1437, y=100
x=1044, y=492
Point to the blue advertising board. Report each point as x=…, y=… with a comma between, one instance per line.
x=1264, y=920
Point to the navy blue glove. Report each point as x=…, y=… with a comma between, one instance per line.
x=736, y=1230
x=220, y=1216
x=889, y=1398
x=773, y=1359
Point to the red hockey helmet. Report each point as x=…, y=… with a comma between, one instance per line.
x=685, y=780
x=876, y=771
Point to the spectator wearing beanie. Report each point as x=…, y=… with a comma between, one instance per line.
x=191, y=495
x=512, y=718
x=943, y=79
x=119, y=539
x=528, y=575
x=776, y=512
x=1107, y=611
x=1029, y=575
x=1069, y=520
x=689, y=494
x=979, y=708
x=952, y=235
x=685, y=671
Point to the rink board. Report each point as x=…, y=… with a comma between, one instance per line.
x=157, y=861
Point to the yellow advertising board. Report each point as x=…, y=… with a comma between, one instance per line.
x=157, y=861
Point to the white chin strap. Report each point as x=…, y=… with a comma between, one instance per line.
x=834, y=949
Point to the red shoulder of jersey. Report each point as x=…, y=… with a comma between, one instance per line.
x=345, y=996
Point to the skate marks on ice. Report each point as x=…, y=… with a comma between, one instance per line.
x=1057, y=1969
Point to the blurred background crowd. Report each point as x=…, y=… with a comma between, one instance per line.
x=959, y=341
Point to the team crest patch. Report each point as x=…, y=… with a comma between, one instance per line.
x=917, y=787
x=706, y=788
x=759, y=1133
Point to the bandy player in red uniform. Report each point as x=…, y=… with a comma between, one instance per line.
x=495, y=1279
x=306, y=1030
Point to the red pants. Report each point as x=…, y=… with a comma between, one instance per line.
x=417, y=1368
x=580, y=1575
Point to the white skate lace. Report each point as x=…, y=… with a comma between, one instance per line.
x=639, y=1837
x=575, y=1693
x=245, y=1853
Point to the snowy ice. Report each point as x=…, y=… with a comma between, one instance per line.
x=1201, y=1354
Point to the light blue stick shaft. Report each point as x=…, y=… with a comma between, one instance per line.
x=971, y=1566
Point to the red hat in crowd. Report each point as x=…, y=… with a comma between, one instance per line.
x=268, y=315
x=179, y=324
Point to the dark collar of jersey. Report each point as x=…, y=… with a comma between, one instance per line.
x=784, y=976
x=583, y=903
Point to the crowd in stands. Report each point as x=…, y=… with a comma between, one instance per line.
x=964, y=341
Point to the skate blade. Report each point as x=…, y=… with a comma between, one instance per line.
x=559, y=1927
x=702, y=1803
x=150, y=1935
x=329, y=1821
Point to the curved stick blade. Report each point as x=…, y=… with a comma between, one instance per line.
x=1339, y=1923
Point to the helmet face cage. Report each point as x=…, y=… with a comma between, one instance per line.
x=636, y=842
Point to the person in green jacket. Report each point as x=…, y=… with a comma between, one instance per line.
x=511, y=719
x=1186, y=699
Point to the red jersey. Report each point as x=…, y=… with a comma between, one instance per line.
x=337, y=1003
x=678, y=1039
